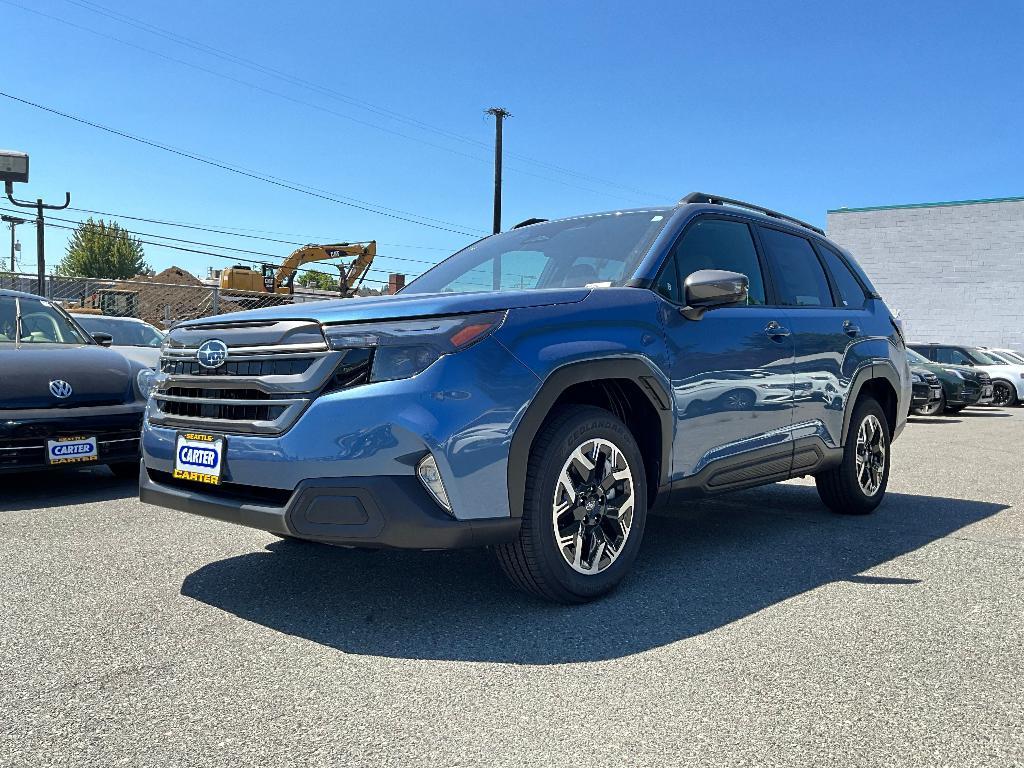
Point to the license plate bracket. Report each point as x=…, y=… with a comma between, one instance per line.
x=77, y=449
x=199, y=457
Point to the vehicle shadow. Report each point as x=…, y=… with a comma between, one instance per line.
x=698, y=570
x=932, y=420
x=983, y=414
x=57, y=487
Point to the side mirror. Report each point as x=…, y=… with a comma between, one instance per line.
x=103, y=339
x=710, y=288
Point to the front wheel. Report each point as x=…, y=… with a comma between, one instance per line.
x=584, y=509
x=933, y=409
x=1003, y=393
x=857, y=485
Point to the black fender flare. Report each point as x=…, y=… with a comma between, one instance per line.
x=640, y=370
x=868, y=373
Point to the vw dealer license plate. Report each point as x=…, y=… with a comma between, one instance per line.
x=72, y=450
x=198, y=457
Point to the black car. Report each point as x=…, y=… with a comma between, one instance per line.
x=65, y=399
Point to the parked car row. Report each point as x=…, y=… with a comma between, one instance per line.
x=969, y=376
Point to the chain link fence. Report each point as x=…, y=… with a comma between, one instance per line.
x=160, y=301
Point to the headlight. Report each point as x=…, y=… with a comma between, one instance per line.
x=916, y=376
x=146, y=382
x=403, y=348
x=954, y=371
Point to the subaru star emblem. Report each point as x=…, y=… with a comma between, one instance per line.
x=212, y=353
x=60, y=388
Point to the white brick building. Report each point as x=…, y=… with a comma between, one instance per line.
x=954, y=270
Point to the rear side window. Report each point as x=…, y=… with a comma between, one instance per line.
x=850, y=292
x=712, y=244
x=951, y=356
x=796, y=270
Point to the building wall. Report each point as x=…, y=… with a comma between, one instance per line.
x=955, y=272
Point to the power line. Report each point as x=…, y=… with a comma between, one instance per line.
x=296, y=80
x=278, y=94
x=207, y=228
x=293, y=186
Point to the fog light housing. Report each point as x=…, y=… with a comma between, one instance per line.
x=430, y=477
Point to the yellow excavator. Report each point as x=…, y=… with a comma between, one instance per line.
x=281, y=280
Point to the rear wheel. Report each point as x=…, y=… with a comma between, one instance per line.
x=1003, y=393
x=584, y=509
x=857, y=485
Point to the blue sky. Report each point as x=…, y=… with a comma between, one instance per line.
x=799, y=106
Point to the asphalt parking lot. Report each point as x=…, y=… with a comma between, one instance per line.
x=756, y=629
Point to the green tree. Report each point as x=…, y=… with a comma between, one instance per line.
x=98, y=249
x=320, y=280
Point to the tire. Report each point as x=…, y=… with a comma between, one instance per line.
x=591, y=522
x=125, y=470
x=841, y=488
x=935, y=409
x=1003, y=394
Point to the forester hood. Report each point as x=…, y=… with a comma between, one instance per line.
x=97, y=375
x=402, y=305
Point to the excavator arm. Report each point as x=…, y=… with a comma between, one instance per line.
x=351, y=275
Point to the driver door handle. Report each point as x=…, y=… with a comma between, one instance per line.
x=776, y=332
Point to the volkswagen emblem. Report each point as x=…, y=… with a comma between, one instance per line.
x=60, y=388
x=212, y=353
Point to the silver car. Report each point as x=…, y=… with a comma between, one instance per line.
x=135, y=339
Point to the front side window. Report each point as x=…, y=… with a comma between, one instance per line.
x=603, y=249
x=123, y=333
x=796, y=270
x=851, y=294
x=712, y=244
x=951, y=356
x=39, y=322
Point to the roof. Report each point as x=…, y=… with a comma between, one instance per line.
x=19, y=294
x=981, y=201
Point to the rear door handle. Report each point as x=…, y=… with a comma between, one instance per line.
x=850, y=328
x=775, y=331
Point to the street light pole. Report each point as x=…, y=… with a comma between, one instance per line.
x=39, y=205
x=499, y=115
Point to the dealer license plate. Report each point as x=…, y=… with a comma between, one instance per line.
x=72, y=450
x=199, y=457
x=986, y=391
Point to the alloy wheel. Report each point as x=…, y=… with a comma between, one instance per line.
x=1001, y=393
x=592, y=508
x=871, y=455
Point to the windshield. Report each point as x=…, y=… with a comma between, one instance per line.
x=983, y=358
x=1012, y=357
x=599, y=250
x=40, y=323
x=125, y=333
x=917, y=359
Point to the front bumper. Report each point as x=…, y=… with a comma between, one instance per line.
x=379, y=512
x=925, y=394
x=23, y=434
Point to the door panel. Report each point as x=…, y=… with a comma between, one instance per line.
x=732, y=383
x=830, y=349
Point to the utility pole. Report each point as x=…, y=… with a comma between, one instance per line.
x=39, y=205
x=499, y=115
x=13, y=221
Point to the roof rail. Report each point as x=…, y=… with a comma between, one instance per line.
x=704, y=197
x=529, y=222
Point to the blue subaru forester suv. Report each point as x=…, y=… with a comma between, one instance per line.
x=540, y=392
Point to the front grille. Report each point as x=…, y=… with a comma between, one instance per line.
x=294, y=366
x=273, y=371
x=275, y=497
x=31, y=451
x=211, y=403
